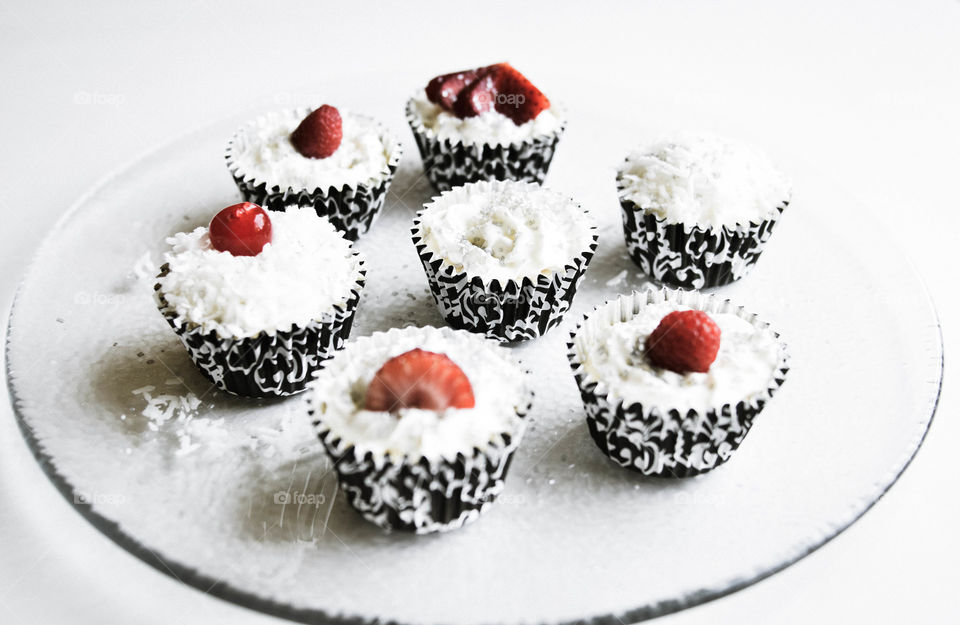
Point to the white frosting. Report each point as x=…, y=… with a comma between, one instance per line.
x=262, y=150
x=505, y=230
x=305, y=271
x=703, y=180
x=612, y=354
x=492, y=127
x=339, y=393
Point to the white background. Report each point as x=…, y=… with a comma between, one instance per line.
x=870, y=91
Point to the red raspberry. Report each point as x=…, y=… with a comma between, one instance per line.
x=443, y=90
x=419, y=379
x=685, y=341
x=242, y=229
x=319, y=134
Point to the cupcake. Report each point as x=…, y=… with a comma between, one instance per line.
x=421, y=425
x=489, y=123
x=698, y=210
x=673, y=380
x=504, y=259
x=336, y=162
x=260, y=299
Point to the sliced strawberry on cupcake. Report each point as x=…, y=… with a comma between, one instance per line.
x=443, y=90
x=419, y=379
x=517, y=97
x=488, y=123
x=421, y=424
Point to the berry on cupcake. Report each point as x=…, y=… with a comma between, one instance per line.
x=337, y=162
x=260, y=299
x=421, y=424
x=488, y=123
x=672, y=380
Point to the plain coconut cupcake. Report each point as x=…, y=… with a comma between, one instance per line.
x=699, y=209
x=504, y=259
x=673, y=380
x=421, y=424
x=338, y=162
x=260, y=299
x=489, y=123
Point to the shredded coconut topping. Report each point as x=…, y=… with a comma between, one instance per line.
x=492, y=127
x=339, y=393
x=301, y=275
x=703, y=180
x=506, y=230
x=262, y=150
x=612, y=353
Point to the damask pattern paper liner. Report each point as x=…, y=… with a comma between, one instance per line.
x=269, y=364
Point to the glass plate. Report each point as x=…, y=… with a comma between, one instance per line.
x=236, y=497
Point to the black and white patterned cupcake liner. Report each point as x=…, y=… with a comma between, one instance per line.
x=508, y=312
x=420, y=495
x=657, y=442
x=352, y=209
x=692, y=257
x=268, y=364
x=417, y=494
x=449, y=164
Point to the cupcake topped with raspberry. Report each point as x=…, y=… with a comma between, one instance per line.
x=488, y=123
x=303, y=149
x=338, y=162
x=671, y=356
x=421, y=425
x=495, y=104
x=672, y=380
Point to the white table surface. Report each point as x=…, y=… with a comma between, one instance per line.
x=869, y=91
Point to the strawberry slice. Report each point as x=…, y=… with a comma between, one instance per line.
x=684, y=341
x=517, y=97
x=419, y=379
x=319, y=134
x=479, y=96
x=443, y=90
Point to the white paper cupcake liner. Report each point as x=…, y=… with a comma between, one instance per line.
x=449, y=164
x=507, y=311
x=654, y=441
x=270, y=364
x=417, y=494
x=351, y=208
x=692, y=257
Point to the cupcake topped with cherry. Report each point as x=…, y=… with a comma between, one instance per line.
x=672, y=380
x=436, y=405
x=336, y=161
x=491, y=122
x=255, y=276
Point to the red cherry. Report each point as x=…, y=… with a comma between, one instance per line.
x=242, y=229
